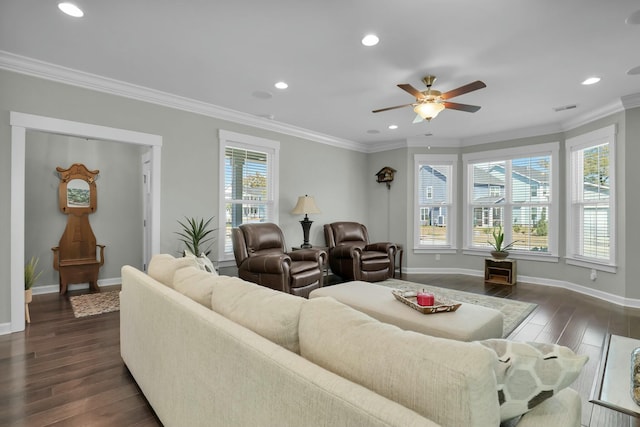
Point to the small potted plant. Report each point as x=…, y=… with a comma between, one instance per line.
x=197, y=237
x=30, y=277
x=500, y=251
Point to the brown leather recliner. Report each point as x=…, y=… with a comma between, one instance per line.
x=259, y=249
x=352, y=257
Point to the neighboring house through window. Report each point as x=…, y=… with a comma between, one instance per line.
x=513, y=189
x=249, y=184
x=434, y=218
x=591, y=200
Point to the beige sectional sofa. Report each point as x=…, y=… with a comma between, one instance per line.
x=210, y=350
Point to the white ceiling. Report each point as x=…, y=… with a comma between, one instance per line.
x=532, y=55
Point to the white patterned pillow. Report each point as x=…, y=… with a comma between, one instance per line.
x=529, y=373
x=202, y=261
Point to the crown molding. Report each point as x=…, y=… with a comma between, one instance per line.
x=631, y=101
x=512, y=134
x=604, y=111
x=59, y=74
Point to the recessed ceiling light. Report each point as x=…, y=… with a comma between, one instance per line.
x=281, y=85
x=634, y=71
x=71, y=9
x=393, y=127
x=370, y=40
x=591, y=80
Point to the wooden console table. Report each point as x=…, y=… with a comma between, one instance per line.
x=500, y=271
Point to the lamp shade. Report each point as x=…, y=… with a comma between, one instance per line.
x=428, y=110
x=305, y=205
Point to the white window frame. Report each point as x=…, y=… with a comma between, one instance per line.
x=436, y=159
x=507, y=154
x=573, y=146
x=252, y=143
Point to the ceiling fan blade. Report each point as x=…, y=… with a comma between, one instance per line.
x=418, y=119
x=412, y=90
x=464, y=89
x=391, y=108
x=462, y=107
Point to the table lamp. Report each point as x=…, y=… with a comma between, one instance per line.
x=306, y=205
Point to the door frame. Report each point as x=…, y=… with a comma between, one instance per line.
x=20, y=123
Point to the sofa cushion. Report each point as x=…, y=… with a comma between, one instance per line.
x=529, y=373
x=433, y=378
x=269, y=313
x=195, y=283
x=162, y=267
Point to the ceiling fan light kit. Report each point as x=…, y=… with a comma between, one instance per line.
x=431, y=102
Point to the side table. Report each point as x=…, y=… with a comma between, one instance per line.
x=612, y=388
x=400, y=255
x=500, y=271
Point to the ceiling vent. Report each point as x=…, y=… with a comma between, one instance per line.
x=565, y=107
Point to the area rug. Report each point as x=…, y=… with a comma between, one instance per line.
x=98, y=303
x=514, y=312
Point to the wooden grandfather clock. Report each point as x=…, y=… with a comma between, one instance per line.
x=75, y=257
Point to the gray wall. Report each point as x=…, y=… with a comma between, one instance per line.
x=342, y=181
x=117, y=221
x=335, y=177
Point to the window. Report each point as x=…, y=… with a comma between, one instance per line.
x=435, y=197
x=248, y=177
x=591, y=207
x=514, y=192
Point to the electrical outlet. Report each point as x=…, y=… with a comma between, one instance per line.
x=437, y=257
x=594, y=274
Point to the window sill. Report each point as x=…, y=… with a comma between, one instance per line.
x=441, y=250
x=540, y=256
x=609, y=268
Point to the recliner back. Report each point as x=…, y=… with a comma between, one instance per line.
x=348, y=232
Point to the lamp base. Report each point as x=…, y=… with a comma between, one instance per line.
x=306, y=225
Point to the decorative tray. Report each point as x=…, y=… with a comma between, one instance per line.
x=440, y=305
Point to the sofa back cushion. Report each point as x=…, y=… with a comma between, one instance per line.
x=447, y=381
x=272, y=314
x=162, y=267
x=196, y=284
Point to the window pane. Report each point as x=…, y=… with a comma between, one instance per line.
x=245, y=175
x=486, y=219
x=530, y=230
x=242, y=213
x=432, y=183
x=596, y=173
x=595, y=242
x=530, y=179
x=488, y=182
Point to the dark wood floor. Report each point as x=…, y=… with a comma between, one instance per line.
x=63, y=371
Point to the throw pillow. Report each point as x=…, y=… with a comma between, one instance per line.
x=163, y=267
x=529, y=373
x=203, y=262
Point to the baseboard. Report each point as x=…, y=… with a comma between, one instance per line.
x=54, y=289
x=606, y=296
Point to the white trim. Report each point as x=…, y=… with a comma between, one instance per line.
x=573, y=145
x=57, y=73
x=253, y=143
x=55, y=288
x=595, y=293
x=20, y=123
x=508, y=154
x=452, y=188
x=5, y=328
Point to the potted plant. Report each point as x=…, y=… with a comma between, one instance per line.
x=500, y=251
x=197, y=237
x=30, y=277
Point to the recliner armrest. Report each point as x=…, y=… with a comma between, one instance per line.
x=381, y=247
x=345, y=251
x=270, y=263
x=311, y=254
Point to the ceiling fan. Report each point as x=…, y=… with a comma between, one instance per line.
x=430, y=102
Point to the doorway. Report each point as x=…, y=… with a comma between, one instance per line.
x=20, y=123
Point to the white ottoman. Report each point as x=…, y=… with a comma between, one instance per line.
x=468, y=323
